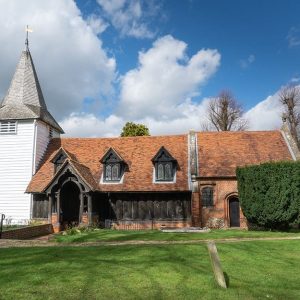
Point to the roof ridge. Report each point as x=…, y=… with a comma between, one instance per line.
x=123, y=138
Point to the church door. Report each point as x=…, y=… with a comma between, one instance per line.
x=234, y=212
x=70, y=203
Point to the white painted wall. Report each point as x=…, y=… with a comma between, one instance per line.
x=16, y=158
x=20, y=156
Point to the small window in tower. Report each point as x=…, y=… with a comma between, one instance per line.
x=8, y=127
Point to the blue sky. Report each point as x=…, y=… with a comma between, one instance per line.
x=102, y=63
x=252, y=37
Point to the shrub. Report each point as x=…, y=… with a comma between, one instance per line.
x=270, y=194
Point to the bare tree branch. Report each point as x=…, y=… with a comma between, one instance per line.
x=290, y=98
x=225, y=114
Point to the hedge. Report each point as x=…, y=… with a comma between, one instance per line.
x=270, y=194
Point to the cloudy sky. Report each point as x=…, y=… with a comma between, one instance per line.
x=102, y=63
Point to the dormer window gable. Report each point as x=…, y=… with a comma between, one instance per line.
x=113, y=166
x=59, y=160
x=165, y=166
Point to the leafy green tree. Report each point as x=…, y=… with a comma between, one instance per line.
x=270, y=194
x=133, y=129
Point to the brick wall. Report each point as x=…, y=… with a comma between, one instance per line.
x=218, y=215
x=28, y=232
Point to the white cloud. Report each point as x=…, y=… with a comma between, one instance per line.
x=265, y=115
x=165, y=79
x=245, y=63
x=295, y=79
x=70, y=60
x=97, y=24
x=158, y=93
x=192, y=117
x=83, y=125
x=293, y=37
x=130, y=17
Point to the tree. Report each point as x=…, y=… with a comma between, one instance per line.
x=290, y=98
x=269, y=194
x=133, y=129
x=224, y=113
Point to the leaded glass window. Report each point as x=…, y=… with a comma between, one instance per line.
x=113, y=166
x=168, y=171
x=165, y=165
x=207, y=196
x=115, y=172
x=108, y=172
x=112, y=172
x=160, y=172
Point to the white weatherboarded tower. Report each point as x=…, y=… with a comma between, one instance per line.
x=26, y=128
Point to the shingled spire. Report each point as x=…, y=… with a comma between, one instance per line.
x=24, y=99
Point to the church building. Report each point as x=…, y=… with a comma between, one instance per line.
x=123, y=183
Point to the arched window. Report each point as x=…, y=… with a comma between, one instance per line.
x=168, y=171
x=115, y=172
x=207, y=196
x=160, y=171
x=108, y=172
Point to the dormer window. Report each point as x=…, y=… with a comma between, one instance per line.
x=58, y=160
x=113, y=166
x=8, y=127
x=165, y=166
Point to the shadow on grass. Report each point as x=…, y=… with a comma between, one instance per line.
x=227, y=280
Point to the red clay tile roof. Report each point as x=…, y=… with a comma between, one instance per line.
x=137, y=153
x=219, y=153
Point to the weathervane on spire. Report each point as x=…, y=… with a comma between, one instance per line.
x=27, y=29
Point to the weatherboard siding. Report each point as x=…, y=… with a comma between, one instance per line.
x=42, y=140
x=16, y=157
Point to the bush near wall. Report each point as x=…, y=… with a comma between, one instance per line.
x=270, y=194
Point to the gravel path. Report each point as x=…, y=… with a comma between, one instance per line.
x=45, y=243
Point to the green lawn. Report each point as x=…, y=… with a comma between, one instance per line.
x=156, y=235
x=256, y=270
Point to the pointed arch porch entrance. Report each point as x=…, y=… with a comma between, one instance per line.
x=70, y=198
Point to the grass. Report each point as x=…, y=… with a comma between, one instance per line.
x=256, y=270
x=155, y=235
